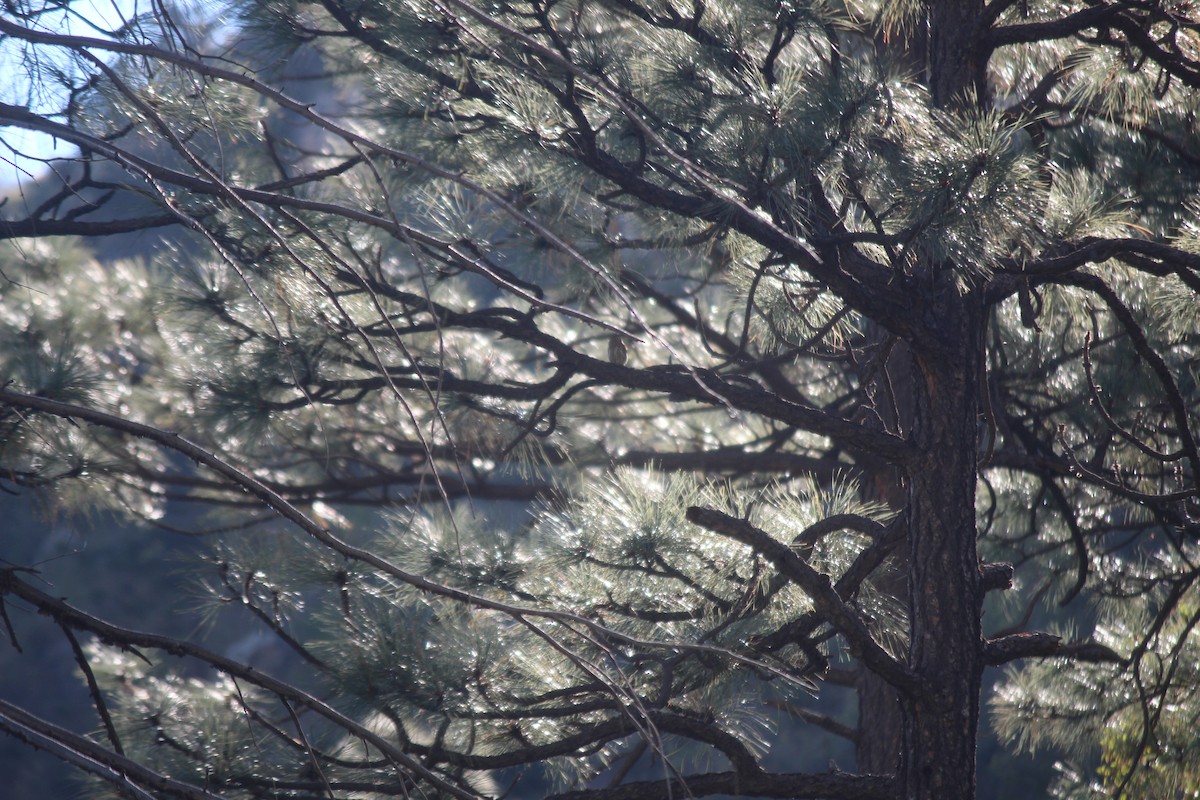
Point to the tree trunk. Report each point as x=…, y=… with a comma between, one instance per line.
x=945, y=647
x=880, y=726
x=957, y=57
x=944, y=590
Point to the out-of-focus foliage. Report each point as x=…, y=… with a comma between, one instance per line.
x=1140, y=722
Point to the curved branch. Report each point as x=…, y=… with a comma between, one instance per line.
x=1069, y=256
x=1151, y=356
x=1070, y=25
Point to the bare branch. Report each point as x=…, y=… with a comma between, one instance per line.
x=124, y=774
x=1045, y=645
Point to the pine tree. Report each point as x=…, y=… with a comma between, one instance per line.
x=577, y=388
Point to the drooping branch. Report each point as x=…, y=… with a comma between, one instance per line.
x=1069, y=256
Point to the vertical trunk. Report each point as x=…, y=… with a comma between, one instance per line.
x=957, y=58
x=945, y=649
x=938, y=404
x=944, y=595
x=880, y=726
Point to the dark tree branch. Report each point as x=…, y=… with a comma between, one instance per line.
x=737, y=460
x=1067, y=257
x=1045, y=645
x=1061, y=28
x=31, y=228
x=352, y=24
x=110, y=730
x=993, y=577
x=822, y=721
x=127, y=776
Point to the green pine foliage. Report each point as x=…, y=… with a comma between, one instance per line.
x=574, y=391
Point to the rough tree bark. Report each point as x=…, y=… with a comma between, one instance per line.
x=937, y=731
x=946, y=646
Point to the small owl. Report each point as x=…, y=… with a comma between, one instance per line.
x=618, y=353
